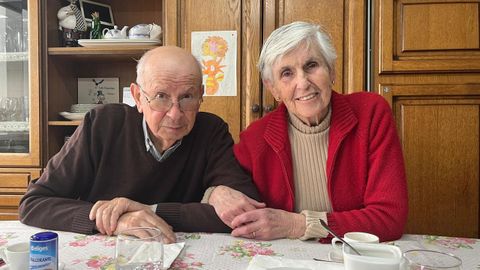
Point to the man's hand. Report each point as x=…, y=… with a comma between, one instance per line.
x=269, y=224
x=119, y=214
x=229, y=203
x=145, y=218
x=107, y=213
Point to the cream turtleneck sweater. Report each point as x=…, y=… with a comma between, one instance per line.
x=309, y=145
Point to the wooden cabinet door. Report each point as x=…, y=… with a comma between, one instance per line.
x=20, y=85
x=429, y=35
x=186, y=16
x=439, y=131
x=427, y=66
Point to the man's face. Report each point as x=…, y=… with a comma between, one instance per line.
x=168, y=125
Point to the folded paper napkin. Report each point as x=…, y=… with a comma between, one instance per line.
x=170, y=253
x=262, y=262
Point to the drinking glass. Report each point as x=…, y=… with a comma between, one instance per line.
x=139, y=248
x=431, y=260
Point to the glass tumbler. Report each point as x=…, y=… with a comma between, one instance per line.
x=430, y=260
x=139, y=248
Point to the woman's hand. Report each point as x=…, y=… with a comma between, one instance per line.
x=229, y=203
x=269, y=224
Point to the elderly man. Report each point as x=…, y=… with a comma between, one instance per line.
x=143, y=166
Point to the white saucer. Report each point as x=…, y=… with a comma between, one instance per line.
x=335, y=256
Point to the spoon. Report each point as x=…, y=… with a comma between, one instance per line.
x=339, y=238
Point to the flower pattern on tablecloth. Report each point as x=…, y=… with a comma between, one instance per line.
x=181, y=237
x=187, y=262
x=452, y=243
x=97, y=262
x=83, y=240
x=4, y=237
x=241, y=249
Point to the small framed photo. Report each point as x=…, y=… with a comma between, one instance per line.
x=98, y=90
x=104, y=10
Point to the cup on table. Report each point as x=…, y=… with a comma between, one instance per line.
x=430, y=260
x=350, y=237
x=17, y=256
x=139, y=248
x=373, y=256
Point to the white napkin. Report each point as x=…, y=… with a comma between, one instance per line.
x=262, y=262
x=170, y=253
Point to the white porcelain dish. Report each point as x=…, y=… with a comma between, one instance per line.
x=117, y=42
x=73, y=116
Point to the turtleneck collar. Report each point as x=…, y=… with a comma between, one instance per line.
x=295, y=122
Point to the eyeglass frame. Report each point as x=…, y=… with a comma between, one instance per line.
x=150, y=99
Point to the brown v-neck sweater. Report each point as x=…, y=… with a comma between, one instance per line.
x=106, y=158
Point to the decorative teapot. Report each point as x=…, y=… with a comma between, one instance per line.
x=115, y=33
x=145, y=31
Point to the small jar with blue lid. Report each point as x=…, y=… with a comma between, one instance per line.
x=44, y=251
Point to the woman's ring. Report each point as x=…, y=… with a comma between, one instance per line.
x=253, y=234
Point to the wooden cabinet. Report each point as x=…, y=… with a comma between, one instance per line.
x=64, y=65
x=19, y=102
x=428, y=68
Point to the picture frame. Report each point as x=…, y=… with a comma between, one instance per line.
x=98, y=90
x=105, y=12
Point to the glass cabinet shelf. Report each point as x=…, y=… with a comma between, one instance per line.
x=13, y=56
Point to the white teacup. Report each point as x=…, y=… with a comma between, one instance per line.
x=373, y=256
x=350, y=237
x=17, y=256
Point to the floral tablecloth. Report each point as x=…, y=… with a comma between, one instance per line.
x=222, y=251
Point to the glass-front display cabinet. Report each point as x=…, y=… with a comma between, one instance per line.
x=19, y=91
x=19, y=101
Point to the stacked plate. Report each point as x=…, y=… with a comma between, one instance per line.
x=77, y=111
x=81, y=108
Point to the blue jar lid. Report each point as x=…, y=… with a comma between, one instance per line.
x=42, y=236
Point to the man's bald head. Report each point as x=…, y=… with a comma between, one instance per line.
x=168, y=59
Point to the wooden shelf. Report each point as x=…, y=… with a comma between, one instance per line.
x=64, y=123
x=117, y=52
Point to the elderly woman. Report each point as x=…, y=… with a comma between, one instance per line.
x=319, y=155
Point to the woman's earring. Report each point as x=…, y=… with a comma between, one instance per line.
x=277, y=98
x=333, y=82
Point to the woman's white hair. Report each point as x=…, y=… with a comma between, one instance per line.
x=287, y=38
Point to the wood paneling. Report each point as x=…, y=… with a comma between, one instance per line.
x=439, y=26
x=428, y=36
x=440, y=139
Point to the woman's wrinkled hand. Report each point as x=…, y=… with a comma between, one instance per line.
x=269, y=224
x=229, y=203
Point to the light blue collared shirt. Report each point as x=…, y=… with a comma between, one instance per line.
x=151, y=147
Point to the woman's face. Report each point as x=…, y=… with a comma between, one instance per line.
x=303, y=81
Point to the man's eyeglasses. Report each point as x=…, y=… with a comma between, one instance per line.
x=163, y=103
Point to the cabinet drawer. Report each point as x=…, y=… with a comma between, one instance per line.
x=14, y=180
x=9, y=206
x=17, y=178
x=7, y=201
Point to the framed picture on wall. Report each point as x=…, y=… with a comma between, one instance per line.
x=104, y=10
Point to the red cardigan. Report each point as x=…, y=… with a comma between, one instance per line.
x=365, y=170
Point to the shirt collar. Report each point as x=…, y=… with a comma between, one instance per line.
x=150, y=147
